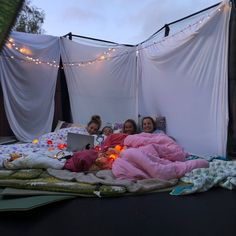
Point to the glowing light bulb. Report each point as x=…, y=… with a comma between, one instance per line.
x=35, y=141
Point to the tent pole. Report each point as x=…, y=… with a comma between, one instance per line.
x=231, y=145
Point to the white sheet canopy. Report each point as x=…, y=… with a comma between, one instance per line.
x=101, y=81
x=28, y=72
x=182, y=77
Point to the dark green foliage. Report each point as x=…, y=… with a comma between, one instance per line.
x=30, y=19
x=9, y=10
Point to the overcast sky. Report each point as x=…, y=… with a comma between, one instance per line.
x=121, y=21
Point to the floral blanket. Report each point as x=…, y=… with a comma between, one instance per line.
x=44, y=152
x=220, y=173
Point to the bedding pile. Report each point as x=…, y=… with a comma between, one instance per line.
x=143, y=163
x=101, y=183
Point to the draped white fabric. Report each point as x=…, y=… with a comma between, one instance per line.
x=28, y=84
x=99, y=86
x=184, y=77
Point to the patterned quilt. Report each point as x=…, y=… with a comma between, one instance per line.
x=220, y=173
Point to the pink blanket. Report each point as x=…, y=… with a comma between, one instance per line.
x=153, y=156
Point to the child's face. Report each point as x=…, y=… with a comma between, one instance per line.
x=148, y=126
x=92, y=128
x=107, y=131
x=128, y=128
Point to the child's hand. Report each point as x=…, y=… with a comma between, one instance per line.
x=14, y=156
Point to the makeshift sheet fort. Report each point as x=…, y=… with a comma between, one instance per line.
x=182, y=77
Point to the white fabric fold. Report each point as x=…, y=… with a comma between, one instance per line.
x=184, y=77
x=106, y=87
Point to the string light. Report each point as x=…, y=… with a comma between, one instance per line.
x=106, y=55
x=26, y=53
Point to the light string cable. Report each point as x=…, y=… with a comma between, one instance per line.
x=26, y=52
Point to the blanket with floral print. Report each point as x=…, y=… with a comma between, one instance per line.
x=220, y=173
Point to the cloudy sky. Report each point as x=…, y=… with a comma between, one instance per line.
x=121, y=21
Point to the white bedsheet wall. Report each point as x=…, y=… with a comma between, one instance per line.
x=184, y=77
x=99, y=86
x=29, y=84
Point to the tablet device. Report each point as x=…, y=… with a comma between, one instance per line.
x=79, y=142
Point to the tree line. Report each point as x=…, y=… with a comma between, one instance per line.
x=30, y=19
